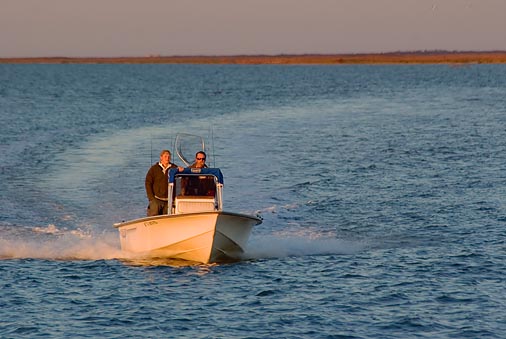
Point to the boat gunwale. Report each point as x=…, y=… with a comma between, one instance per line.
x=175, y=216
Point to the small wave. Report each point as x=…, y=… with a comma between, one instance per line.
x=278, y=208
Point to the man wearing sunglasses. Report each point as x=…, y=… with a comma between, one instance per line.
x=200, y=160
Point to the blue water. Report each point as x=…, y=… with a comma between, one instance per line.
x=382, y=190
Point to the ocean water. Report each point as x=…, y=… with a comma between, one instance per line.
x=382, y=189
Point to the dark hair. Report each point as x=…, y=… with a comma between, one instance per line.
x=201, y=152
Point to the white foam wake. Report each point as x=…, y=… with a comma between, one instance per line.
x=60, y=244
x=269, y=246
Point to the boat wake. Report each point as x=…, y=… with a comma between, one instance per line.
x=52, y=243
x=269, y=246
x=55, y=243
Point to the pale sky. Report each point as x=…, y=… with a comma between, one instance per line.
x=108, y=28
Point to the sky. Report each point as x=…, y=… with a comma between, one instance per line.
x=113, y=28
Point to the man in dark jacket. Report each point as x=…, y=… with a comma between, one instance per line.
x=157, y=180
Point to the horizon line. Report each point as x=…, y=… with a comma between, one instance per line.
x=424, y=51
x=399, y=57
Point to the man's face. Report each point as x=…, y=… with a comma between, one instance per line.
x=165, y=159
x=200, y=160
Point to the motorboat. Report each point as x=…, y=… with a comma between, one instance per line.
x=196, y=228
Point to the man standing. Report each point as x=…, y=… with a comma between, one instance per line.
x=157, y=181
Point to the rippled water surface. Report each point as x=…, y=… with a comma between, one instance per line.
x=382, y=190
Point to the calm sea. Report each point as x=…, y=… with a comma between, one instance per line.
x=382, y=188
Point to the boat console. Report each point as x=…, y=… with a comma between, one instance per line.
x=195, y=190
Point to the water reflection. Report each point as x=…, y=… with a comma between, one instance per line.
x=161, y=261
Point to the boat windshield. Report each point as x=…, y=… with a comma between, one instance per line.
x=186, y=145
x=195, y=186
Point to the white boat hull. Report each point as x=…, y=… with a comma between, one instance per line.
x=204, y=237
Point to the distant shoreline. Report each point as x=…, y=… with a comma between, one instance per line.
x=498, y=57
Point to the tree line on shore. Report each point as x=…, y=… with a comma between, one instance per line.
x=420, y=57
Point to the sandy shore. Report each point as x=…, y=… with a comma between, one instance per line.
x=308, y=59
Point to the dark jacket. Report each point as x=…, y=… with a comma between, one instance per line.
x=157, y=182
x=194, y=165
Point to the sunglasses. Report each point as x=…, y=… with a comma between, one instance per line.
x=201, y=158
